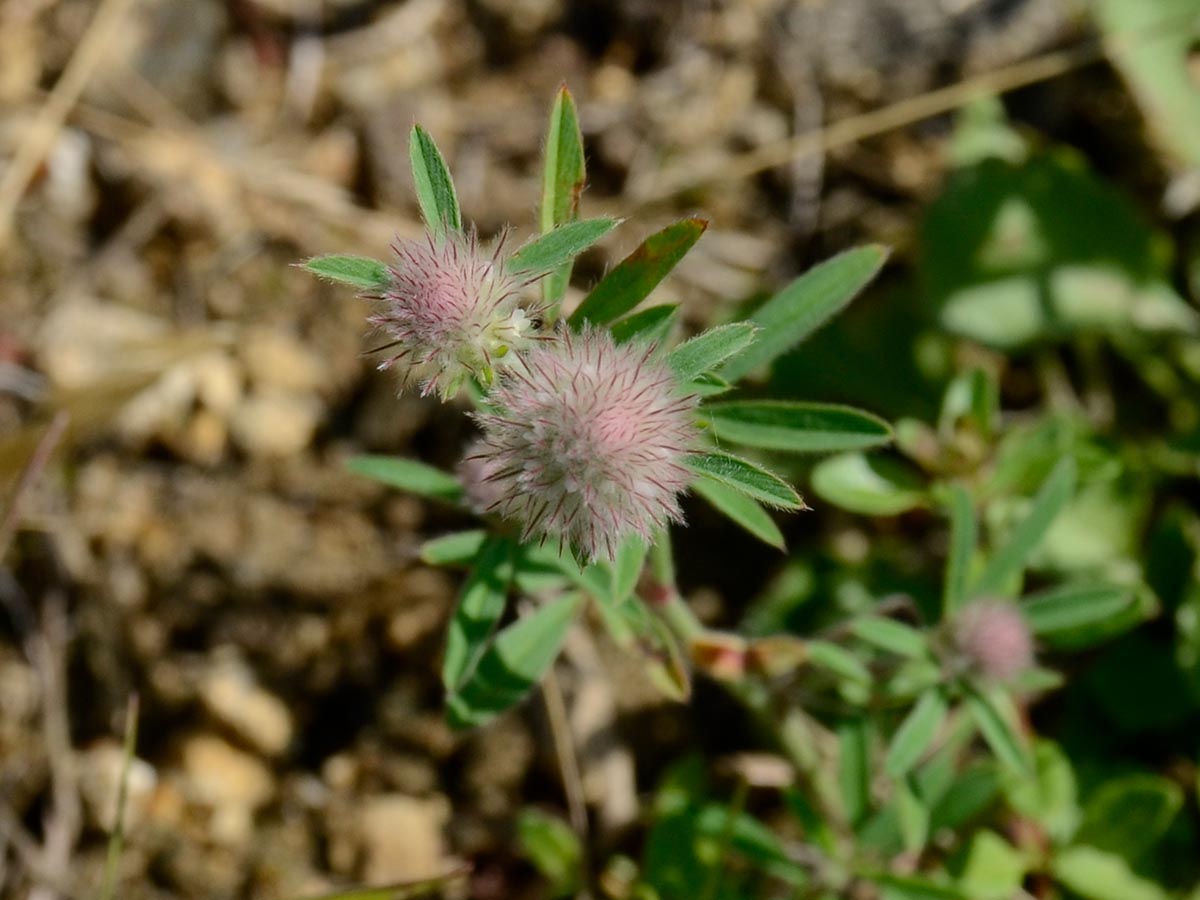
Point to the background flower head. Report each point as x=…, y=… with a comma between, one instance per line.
x=451, y=310
x=587, y=440
x=994, y=638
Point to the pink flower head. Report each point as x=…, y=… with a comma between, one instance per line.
x=451, y=311
x=994, y=638
x=588, y=440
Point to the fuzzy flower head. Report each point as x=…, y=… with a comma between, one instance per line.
x=587, y=440
x=994, y=638
x=451, y=310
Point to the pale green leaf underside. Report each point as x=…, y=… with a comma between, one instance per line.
x=356, y=271
x=435, y=188
x=564, y=243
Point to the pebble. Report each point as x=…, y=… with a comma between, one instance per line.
x=232, y=784
x=231, y=694
x=100, y=768
x=275, y=423
x=402, y=837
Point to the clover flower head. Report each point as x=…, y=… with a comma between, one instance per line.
x=587, y=439
x=994, y=638
x=451, y=310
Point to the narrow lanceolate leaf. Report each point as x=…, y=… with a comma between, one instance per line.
x=1009, y=560
x=1075, y=606
x=749, y=479
x=916, y=733
x=962, y=549
x=912, y=815
x=854, y=768
x=638, y=274
x=708, y=385
x=408, y=475
x=651, y=325
x=709, y=349
x=627, y=568
x=562, y=183
x=456, y=549
x=435, y=189
x=837, y=660
x=742, y=510
x=356, y=271
x=480, y=606
x=807, y=304
x=797, y=427
x=514, y=663
x=997, y=721
x=563, y=244
x=890, y=635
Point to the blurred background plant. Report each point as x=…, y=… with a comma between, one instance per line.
x=178, y=404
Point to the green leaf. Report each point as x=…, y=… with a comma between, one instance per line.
x=1009, y=560
x=455, y=549
x=854, y=768
x=973, y=792
x=796, y=427
x=807, y=304
x=1048, y=797
x=1059, y=612
x=916, y=733
x=708, y=385
x=357, y=271
x=914, y=887
x=709, y=349
x=1096, y=875
x=554, y=849
x=652, y=324
x=627, y=568
x=888, y=634
x=742, y=510
x=874, y=487
x=1128, y=815
x=408, y=475
x=993, y=713
x=562, y=182
x=480, y=606
x=563, y=244
x=1153, y=47
x=638, y=274
x=749, y=479
x=435, y=189
x=912, y=815
x=837, y=660
x=994, y=869
x=963, y=538
x=514, y=663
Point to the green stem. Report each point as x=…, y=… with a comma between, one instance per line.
x=794, y=732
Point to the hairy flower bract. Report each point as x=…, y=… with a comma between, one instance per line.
x=586, y=440
x=451, y=310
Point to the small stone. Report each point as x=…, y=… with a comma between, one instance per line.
x=233, y=785
x=100, y=768
x=402, y=837
x=231, y=694
x=278, y=360
x=274, y=423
